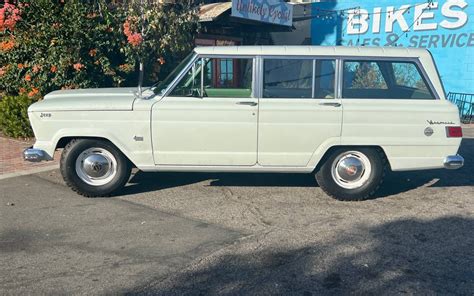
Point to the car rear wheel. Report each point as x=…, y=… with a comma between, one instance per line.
x=351, y=174
x=94, y=168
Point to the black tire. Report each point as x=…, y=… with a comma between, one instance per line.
x=74, y=149
x=327, y=179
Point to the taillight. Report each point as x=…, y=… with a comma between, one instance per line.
x=454, y=132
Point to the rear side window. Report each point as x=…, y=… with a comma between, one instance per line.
x=293, y=78
x=287, y=78
x=384, y=80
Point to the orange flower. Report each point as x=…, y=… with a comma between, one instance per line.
x=7, y=45
x=135, y=39
x=161, y=60
x=28, y=77
x=36, y=68
x=53, y=69
x=78, y=66
x=34, y=91
x=93, y=52
x=21, y=66
x=22, y=90
x=3, y=70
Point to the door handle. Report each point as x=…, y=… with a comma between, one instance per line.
x=247, y=103
x=334, y=104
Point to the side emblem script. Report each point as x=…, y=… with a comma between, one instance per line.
x=138, y=138
x=43, y=115
x=428, y=131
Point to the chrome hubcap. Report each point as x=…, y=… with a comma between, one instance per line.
x=96, y=166
x=351, y=169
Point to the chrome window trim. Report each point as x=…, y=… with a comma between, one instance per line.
x=313, y=80
x=338, y=79
x=416, y=61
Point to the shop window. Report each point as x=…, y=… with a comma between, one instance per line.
x=384, y=80
x=224, y=77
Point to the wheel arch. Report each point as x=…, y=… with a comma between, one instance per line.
x=64, y=140
x=331, y=149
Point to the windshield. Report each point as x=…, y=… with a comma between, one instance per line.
x=161, y=86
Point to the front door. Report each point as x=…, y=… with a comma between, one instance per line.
x=210, y=117
x=298, y=110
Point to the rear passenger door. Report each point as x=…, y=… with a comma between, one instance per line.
x=299, y=111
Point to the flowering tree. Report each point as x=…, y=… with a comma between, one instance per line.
x=155, y=31
x=47, y=44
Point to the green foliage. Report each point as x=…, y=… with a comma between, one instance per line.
x=14, y=116
x=47, y=45
x=81, y=44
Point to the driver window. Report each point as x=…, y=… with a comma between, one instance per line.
x=190, y=84
x=228, y=77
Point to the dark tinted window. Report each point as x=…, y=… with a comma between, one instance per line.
x=287, y=78
x=384, y=80
x=293, y=78
x=324, y=79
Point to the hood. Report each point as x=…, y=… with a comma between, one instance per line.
x=93, y=99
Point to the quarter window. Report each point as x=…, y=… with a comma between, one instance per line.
x=384, y=80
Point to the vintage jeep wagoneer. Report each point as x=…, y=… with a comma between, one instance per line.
x=344, y=114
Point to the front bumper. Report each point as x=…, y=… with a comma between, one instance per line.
x=453, y=162
x=34, y=155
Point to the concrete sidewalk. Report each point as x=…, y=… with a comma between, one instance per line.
x=11, y=159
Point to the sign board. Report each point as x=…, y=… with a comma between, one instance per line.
x=267, y=11
x=445, y=27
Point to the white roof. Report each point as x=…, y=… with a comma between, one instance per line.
x=314, y=51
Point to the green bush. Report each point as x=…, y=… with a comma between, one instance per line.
x=14, y=116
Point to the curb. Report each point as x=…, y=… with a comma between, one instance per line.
x=29, y=172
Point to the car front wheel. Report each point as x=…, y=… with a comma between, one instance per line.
x=351, y=174
x=94, y=168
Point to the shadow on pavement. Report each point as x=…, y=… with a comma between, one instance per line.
x=395, y=182
x=406, y=256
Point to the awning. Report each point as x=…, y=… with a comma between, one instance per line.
x=210, y=12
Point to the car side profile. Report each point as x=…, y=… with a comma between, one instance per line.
x=345, y=114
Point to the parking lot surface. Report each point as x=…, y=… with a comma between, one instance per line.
x=227, y=234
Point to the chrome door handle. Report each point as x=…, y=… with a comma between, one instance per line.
x=334, y=104
x=247, y=103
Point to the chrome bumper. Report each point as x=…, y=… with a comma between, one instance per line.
x=453, y=162
x=34, y=155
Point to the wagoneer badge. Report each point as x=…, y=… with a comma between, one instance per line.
x=428, y=131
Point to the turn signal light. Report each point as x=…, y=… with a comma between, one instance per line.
x=454, y=132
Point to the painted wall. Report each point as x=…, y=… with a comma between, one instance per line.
x=445, y=27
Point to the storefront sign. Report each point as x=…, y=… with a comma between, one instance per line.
x=443, y=27
x=268, y=11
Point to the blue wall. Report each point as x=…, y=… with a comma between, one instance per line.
x=445, y=28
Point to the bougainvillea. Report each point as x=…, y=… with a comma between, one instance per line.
x=48, y=44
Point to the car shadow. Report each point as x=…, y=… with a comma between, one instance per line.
x=406, y=256
x=395, y=182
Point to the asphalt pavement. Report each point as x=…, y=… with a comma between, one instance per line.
x=239, y=234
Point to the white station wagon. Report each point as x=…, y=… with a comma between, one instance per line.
x=344, y=114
